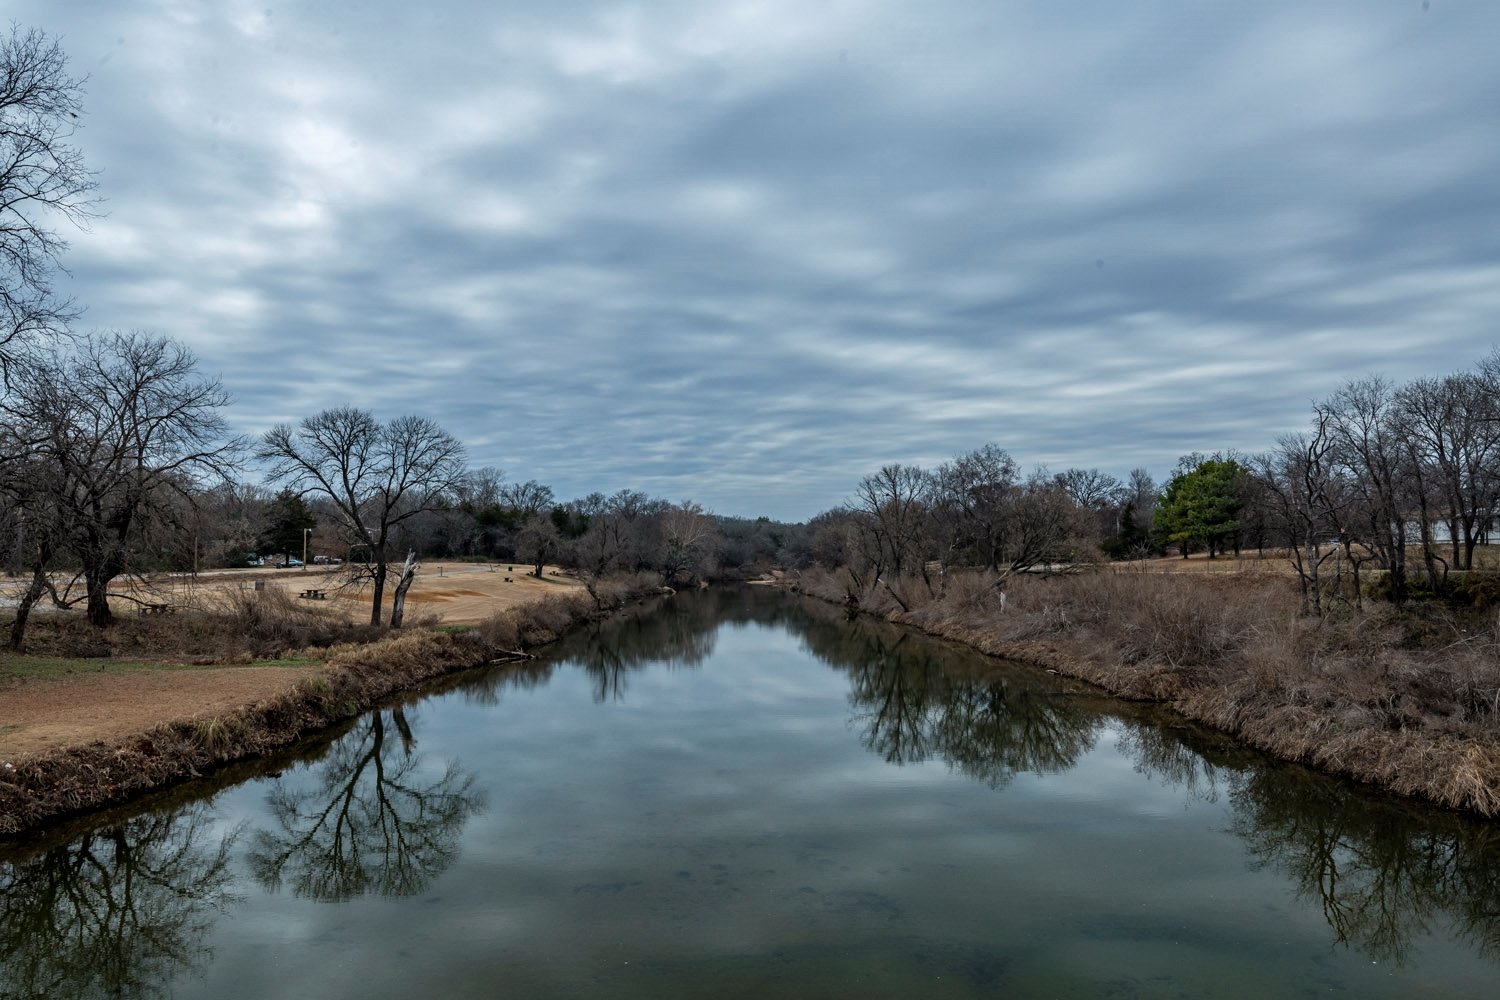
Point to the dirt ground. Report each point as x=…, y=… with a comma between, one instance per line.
x=50, y=713
x=47, y=713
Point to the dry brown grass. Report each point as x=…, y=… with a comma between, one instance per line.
x=1408, y=699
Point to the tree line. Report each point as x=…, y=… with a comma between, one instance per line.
x=117, y=461
x=1387, y=476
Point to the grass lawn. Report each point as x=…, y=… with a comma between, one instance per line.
x=15, y=667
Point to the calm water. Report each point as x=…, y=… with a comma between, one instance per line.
x=739, y=794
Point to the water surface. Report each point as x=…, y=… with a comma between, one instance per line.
x=738, y=793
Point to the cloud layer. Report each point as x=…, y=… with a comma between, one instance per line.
x=746, y=252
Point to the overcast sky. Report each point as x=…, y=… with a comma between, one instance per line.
x=747, y=252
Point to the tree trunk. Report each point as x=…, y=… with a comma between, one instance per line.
x=398, y=599
x=379, y=596
x=1310, y=577
x=23, y=609
x=96, y=579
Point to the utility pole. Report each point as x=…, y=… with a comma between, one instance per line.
x=305, y=533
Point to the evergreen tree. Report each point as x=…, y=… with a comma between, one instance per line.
x=286, y=518
x=1202, y=505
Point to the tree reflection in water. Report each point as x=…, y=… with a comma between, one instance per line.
x=1382, y=871
x=118, y=912
x=918, y=699
x=369, y=824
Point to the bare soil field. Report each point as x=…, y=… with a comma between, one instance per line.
x=56, y=708
x=43, y=714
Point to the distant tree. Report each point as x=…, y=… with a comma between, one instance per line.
x=230, y=519
x=539, y=543
x=42, y=177
x=1042, y=525
x=1100, y=494
x=1142, y=495
x=1362, y=420
x=1451, y=429
x=1310, y=499
x=526, y=500
x=973, y=493
x=1202, y=504
x=617, y=532
x=689, y=537
x=375, y=475
x=892, y=505
x=1090, y=488
x=285, y=519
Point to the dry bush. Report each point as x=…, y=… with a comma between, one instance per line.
x=613, y=592
x=834, y=586
x=974, y=593
x=271, y=622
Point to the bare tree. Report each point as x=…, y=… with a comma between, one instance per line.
x=1099, y=493
x=42, y=178
x=30, y=516
x=528, y=499
x=1361, y=419
x=1090, y=488
x=973, y=491
x=1040, y=524
x=129, y=433
x=1452, y=434
x=688, y=539
x=621, y=531
x=893, y=505
x=377, y=476
x=539, y=543
x=1310, y=498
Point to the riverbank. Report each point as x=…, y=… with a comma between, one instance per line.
x=1407, y=700
x=350, y=678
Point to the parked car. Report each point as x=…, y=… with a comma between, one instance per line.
x=290, y=563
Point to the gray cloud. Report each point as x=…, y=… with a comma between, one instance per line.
x=747, y=252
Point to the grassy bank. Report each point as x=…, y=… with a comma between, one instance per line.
x=1406, y=699
x=359, y=675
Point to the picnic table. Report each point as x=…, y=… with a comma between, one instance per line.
x=158, y=609
x=313, y=594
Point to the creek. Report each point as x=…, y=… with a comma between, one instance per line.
x=740, y=793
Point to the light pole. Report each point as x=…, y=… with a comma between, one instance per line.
x=305, y=533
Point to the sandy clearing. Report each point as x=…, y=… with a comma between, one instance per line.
x=459, y=593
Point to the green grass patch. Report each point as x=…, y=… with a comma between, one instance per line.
x=26, y=667
x=454, y=629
